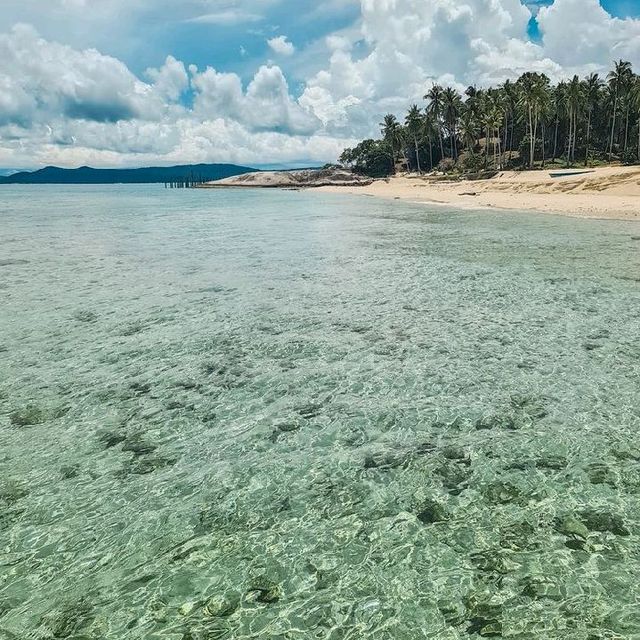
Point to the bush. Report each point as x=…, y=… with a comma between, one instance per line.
x=446, y=165
x=472, y=163
x=630, y=157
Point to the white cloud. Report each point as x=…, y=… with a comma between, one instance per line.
x=281, y=46
x=228, y=17
x=579, y=32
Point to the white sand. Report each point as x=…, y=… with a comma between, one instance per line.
x=610, y=192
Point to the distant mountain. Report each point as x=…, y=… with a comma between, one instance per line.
x=87, y=175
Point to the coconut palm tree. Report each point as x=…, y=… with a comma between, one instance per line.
x=532, y=87
x=635, y=92
x=468, y=128
x=435, y=98
x=390, y=129
x=451, y=106
x=509, y=101
x=414, y=125
x=430, y=132
x=592, y=87
x=575, y=97
x=618, y=80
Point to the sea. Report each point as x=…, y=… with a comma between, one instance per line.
x=264, y=414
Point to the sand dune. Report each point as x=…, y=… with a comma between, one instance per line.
x=610, y=192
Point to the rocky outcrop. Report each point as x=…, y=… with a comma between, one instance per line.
x=300, y=179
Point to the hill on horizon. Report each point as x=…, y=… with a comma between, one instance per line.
x=144, y=175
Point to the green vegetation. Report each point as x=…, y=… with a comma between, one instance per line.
x=527, y=124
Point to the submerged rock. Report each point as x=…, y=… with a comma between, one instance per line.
x=542, y=587
x=571, y=526
x=84, y=315
x=264, y=590
x=497, y=421
x=601, y=520
x=111, y=439
x=221, y=606
x=138, y=446
x=429, y=511
x=285, y=426
x=11, y=492
x=28, y=416
x=69, y=471
x=149, y=464
x=385, y=460
x=502, y=492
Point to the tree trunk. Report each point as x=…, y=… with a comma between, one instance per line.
x=613, y=125
x=430, y=155
x=626, y=128
x=511, y=140
x=555, y=139
x=415, y=139
x=506, y=131
x=586, y=150
x=568, y=157
x=543, y=135
x=531, y=143
x=486, y=149
x=441, y=143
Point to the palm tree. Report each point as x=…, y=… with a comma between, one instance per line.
x=429, y=131
x=468, y=128
x=509, y=100
x=390, y=129
x=414, y=125
x=574, y=104
x=635, y=92
x=592, y=87
x=533, y=87
x=434, y=109
x=451, y=105
x=559, y=104
x=617, y=81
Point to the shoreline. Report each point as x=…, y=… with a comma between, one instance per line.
x=608, y=193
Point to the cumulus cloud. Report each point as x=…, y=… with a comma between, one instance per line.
x=281, y=46
x=41, y=78
x=579, y=32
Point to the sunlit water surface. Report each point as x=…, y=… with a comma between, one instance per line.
x=286, y=415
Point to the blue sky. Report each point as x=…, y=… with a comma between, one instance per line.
x=135, y=82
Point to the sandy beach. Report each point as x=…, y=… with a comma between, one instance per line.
x=609, y=192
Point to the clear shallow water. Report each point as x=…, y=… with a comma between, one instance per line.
x=288, y=415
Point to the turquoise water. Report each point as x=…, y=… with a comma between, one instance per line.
x=265, y=414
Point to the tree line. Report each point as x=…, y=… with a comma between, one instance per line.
x=529, y=123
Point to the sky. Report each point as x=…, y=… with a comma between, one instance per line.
x=115, y=83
